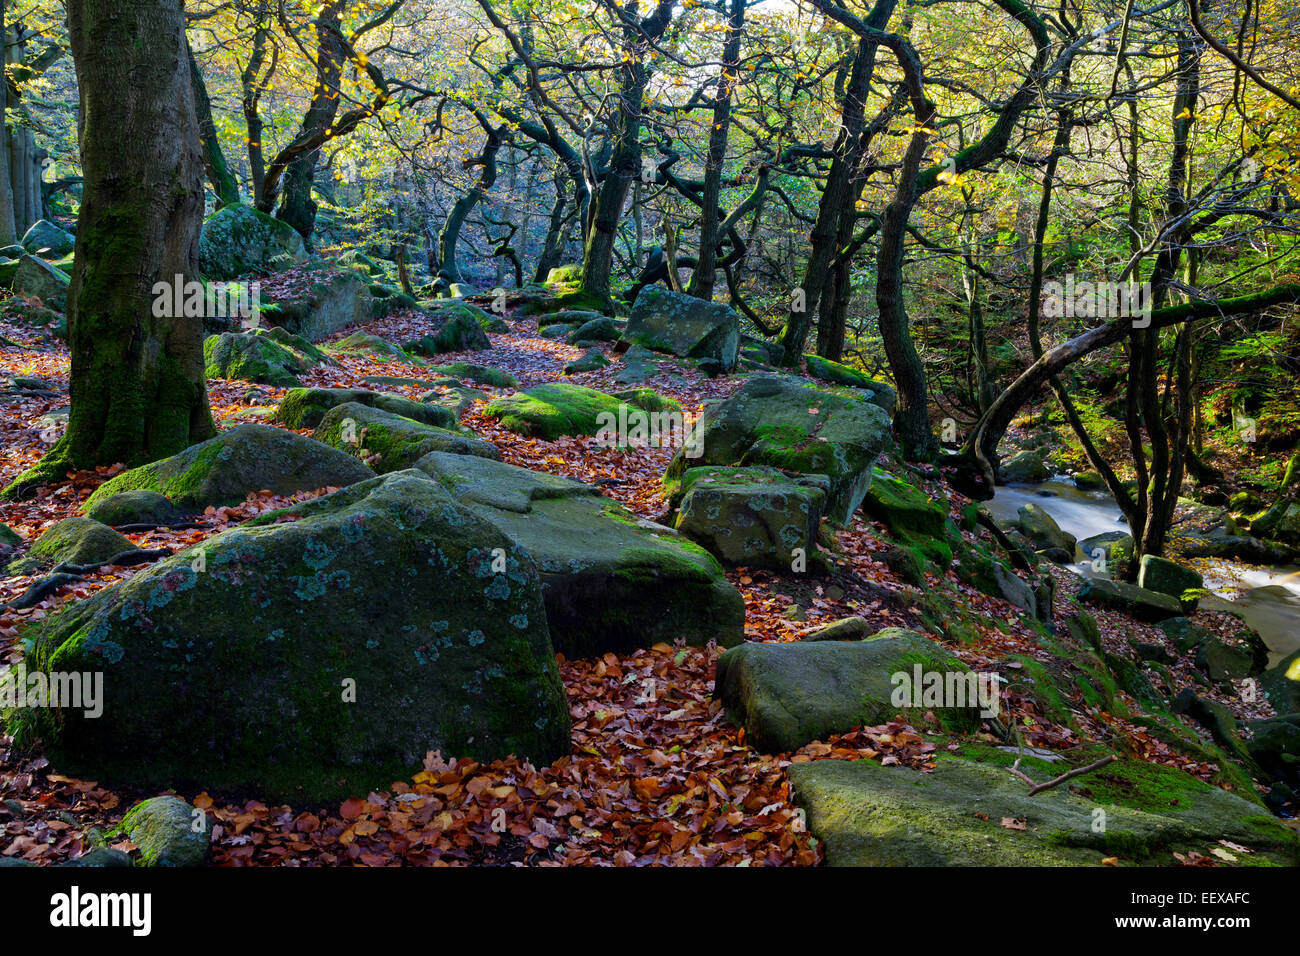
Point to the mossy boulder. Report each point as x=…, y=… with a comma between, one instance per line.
x=238, y=240
x=1129, y=599
x=639, y=366
x=253, y=357
x=611, y=581
x=1024, y=467
x=1222, y=661
x=913, y=518
x=757, y=517
x=1043, y=531
x=72, y=541
x=829, y=371
x=1281, y=684
x=226, y=469
x=305, y=407
x=390, y=442
x=377, y=348
x=480, y=374
x=600, y=329
x=168, y=831
x=590, y=361
x=320, y=652
x=783, y=423
x=47, y=240
x=37, y=279
x=786, y=695
x=323, y=304
x=870, y=815
x=682, y=325
x=565, y=275
x=558, y=408
x=460, y=332
x=140, y=506
x=1169, y=577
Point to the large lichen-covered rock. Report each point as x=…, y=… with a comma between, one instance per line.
x=238, y=240
x=1129, y=599
x=226, y=469
x=72, y=541
x=1043, y=531
x=776, y=421
x=786, y=695
x=253, y=357
x=47, y=240
x=139, y=506
x=389, y=442
x=667, y=321
x=37, y=279
x=837, y=374
x=757, y=517
x=558, y=408
x=168, y=831
x=1168, y=577
x=318, y=652
x=326, y=302
x=611, y=581
x=870, y=815
x=305, y=407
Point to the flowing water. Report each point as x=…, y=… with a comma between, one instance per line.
x=1268, y=598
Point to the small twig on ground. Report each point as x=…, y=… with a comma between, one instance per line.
x=1076, y=772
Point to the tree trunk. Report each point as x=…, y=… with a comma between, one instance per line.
x=8, y=231
x=138, y=390
x=297, y=207
x=706, y=272
x=214, y=160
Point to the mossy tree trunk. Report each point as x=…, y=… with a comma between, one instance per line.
x=625, y=162
x=214, y=158
x=8, y=232
x=138, y=389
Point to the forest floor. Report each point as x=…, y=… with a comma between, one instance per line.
x=652, y=779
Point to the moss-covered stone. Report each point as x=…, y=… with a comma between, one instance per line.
x=239, y=240
x=72, y=541
x=838, y=374
x=253, y=358
x=611, y=581
x=461, y=332
x=786, y=695
x=317, y=653
x=136, y=507
x=481, y=374
x=325, y=302
x=225, y=469
x=1129, y=599
x=869, y=815
x=305, y=407
x=558, y=408
x=372, y=345
x=780, y=422
x=168, y=831
x=756, y=517
x=389, y=442
x=682, y=325
x=590, y=361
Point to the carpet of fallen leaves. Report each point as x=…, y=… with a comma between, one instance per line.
x=657, y=775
